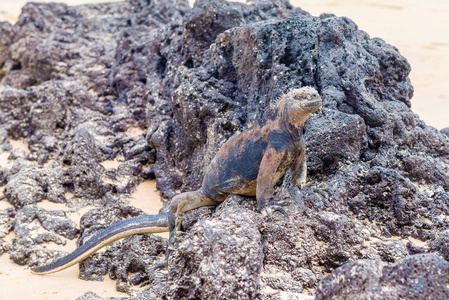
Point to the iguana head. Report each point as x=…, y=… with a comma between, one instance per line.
x=298, y=104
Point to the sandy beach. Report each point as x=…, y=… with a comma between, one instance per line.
x=418, y=29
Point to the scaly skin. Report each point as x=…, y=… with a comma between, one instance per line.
x=249, y=164
x=119, y=230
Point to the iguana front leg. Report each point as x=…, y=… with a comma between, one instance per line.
x=299, y=170
x=266, y=180
x=299, y=176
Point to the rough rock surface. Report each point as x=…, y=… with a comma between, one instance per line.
x=223, y=257
x=370, y=279
x=77, y=81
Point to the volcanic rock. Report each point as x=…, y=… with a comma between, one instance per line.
x=76, y=81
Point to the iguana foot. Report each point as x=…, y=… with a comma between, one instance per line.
x=179, y=233
x=285, y=202
x=169, y=250
x=178, y=223
x=175, y=236
x=151, y=272
x=268, y=211
x=306, y=184
x=320, y=189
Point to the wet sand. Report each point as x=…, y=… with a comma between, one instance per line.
x=417, y=28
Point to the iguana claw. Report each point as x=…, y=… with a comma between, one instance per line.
x=306, y=184
x=268, y=211
x=179, y=233
x=322, y=190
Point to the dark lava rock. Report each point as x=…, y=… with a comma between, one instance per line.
x=89, y=296
x=289, y=242
x=35, y=226
x=335, y=136
x=441, y=244
x=24, y=184
x=4, y=141
x=136, y=256
x=306, y=277
x=415, y=249
x=445, y=131
x=6, y=224
x=392, y=251
x=279, y=280
x=76, y=82
x=222, y=257
x=421, y=276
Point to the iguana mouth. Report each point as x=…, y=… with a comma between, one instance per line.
x=311, y=105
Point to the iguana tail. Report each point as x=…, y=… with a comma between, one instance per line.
x=119, y=230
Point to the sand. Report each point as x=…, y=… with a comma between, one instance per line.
x=417, y=28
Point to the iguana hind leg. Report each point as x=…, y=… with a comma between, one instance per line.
x=178, y=206
x=191, y=200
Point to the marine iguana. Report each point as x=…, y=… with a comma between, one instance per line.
x=250, y=163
